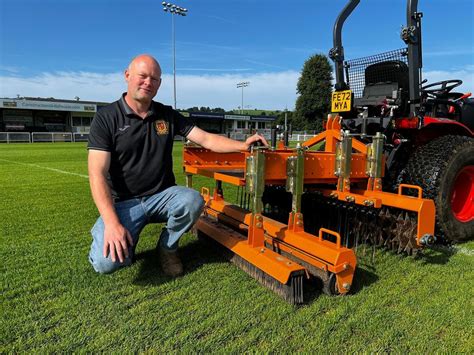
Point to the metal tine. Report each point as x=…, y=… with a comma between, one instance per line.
x=346, y=229
x=366, y=235
x=356, y=242
x=390, y=223
x=401, y=246
x=412, y=237
x=375, y=227
x=404, y=237
x=393, y=232
x=408, y=248
x=393, y=229
x=402, y=240
x=359, y=232
x=399, y=232
x=339, y=219
x=372, y=260
x=383, y=222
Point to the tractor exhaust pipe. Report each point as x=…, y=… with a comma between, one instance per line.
x=337, y=52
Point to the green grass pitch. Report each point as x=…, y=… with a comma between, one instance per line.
x=52, y=300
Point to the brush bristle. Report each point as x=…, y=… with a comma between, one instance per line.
x=292, y=292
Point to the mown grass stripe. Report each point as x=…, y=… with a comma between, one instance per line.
x=46, y=168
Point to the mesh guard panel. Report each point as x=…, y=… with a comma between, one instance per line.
x=355, y=68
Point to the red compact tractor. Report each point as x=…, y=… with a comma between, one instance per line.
x=429, y=128
x=393, y=169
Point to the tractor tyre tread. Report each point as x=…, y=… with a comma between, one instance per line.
x=433, y=167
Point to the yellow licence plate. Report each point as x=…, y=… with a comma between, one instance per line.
x=341, y=101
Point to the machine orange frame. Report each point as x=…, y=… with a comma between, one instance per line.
x=272, y=246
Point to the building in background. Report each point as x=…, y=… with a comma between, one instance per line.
x=236, y=126
x=34, y=114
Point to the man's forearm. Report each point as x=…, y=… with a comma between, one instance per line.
x=221, y=144
x=103, y=199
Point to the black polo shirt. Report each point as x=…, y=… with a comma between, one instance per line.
x=141, y=149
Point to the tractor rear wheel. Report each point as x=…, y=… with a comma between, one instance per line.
x=444, y=169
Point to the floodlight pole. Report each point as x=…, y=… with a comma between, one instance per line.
x=174, y=59
x=242, y=85
x=174, y=10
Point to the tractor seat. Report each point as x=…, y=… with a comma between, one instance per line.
x=383, y=80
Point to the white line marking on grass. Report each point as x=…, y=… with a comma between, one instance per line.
x=456, y=249
x=464, y=251
x=46, y=168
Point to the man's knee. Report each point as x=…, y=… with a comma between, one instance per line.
x=194, y=203
x=196, y=206
x=198, y=202
x=106, y=265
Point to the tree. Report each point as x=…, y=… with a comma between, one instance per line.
x=314, y=88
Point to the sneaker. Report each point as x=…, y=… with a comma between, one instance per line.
x=170, y=262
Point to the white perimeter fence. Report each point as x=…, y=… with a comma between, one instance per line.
x=56, y=137
x=42, y=137
x=295, y=137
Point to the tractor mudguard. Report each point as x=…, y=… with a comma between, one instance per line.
x=447, y=126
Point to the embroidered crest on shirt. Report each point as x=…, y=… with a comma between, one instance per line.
x=161, y=127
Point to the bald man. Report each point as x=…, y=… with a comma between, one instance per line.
x=131, y=172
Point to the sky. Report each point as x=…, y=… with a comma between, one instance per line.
x=80, y=48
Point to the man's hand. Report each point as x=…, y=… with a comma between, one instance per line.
x=117, y=239
x=255, y=138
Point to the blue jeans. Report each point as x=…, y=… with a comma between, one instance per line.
x=178, y=206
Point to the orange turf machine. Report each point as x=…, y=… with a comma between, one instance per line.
x=339, y=189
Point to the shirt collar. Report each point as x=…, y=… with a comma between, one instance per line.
x=128, y=110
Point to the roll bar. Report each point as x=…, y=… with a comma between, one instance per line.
x=411, y=35
x=337, y=52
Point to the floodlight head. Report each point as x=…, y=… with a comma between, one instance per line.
x=163, y=3
x=165, y=9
